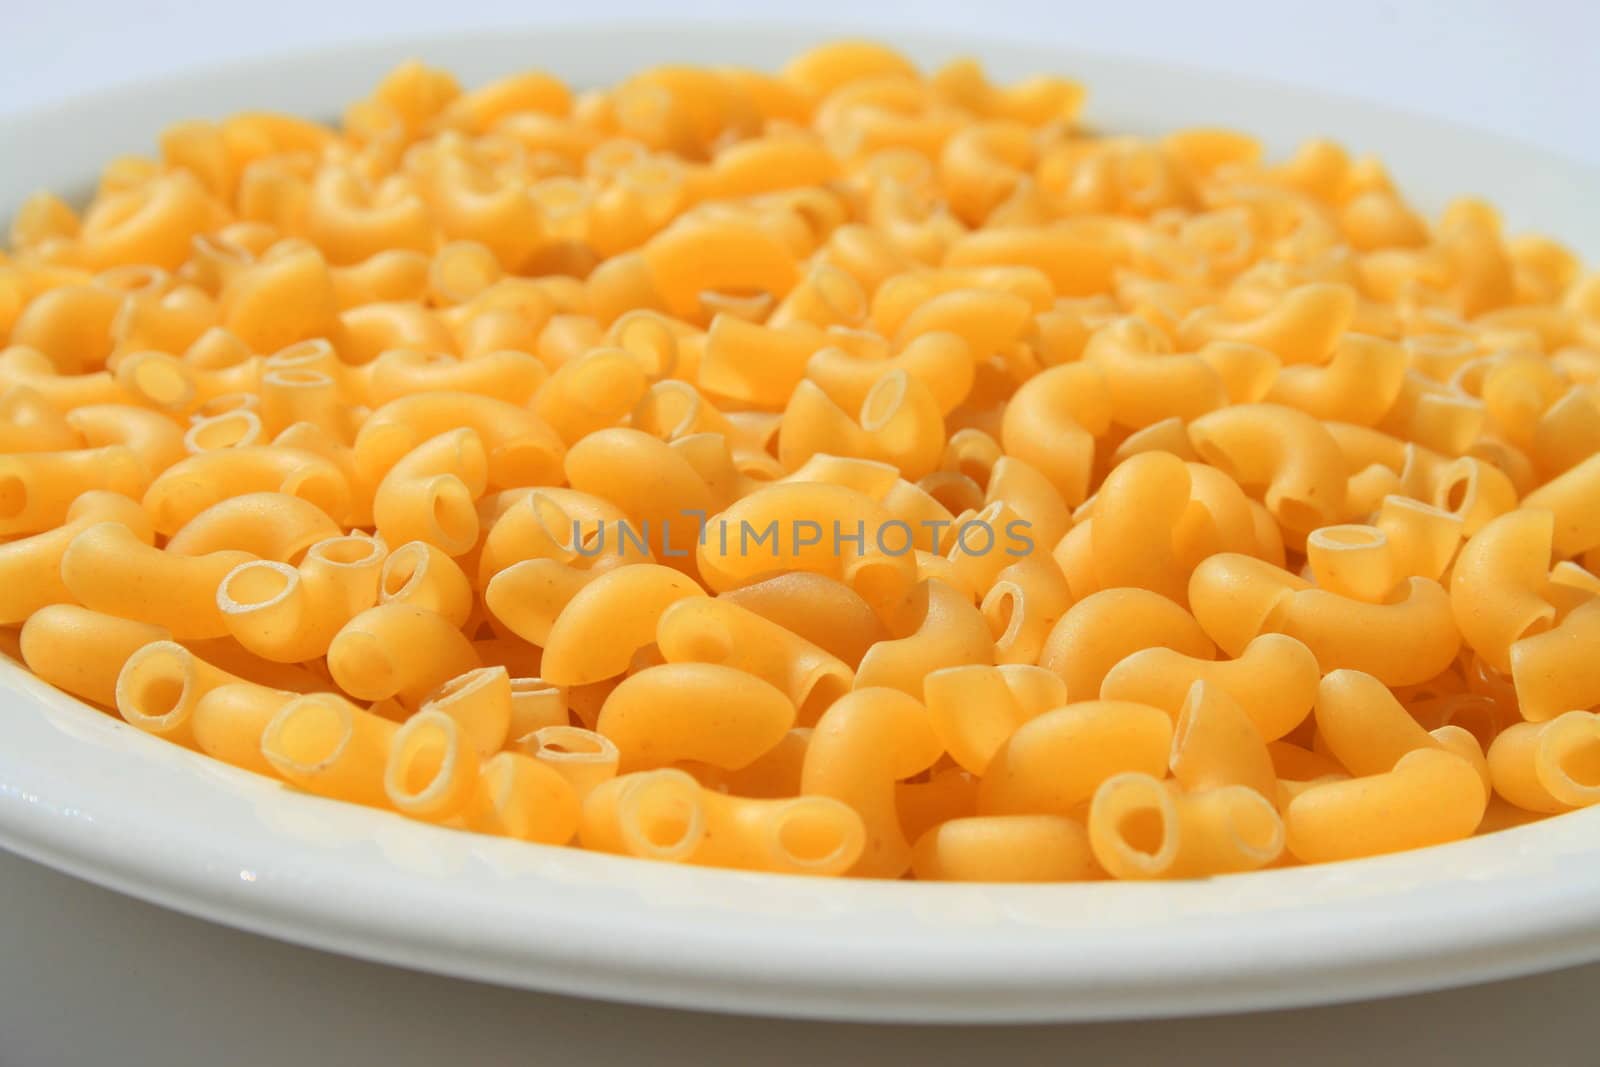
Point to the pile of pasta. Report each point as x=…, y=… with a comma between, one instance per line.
x=413, y=461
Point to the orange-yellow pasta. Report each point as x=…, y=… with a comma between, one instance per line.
x=853, y=470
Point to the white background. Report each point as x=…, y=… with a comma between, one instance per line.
x=1524, y=68
x=88, y=977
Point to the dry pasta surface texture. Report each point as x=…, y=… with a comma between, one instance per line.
x=848, y=470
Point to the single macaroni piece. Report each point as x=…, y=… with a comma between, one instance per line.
x=853, y=470
x=1428, y=798
x=1141, y=828
x=1548, y=766
x=1055, y=762
x=694, y=711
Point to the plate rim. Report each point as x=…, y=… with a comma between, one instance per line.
x=310, y=903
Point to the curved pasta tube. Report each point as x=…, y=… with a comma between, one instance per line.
x=400, y=651
x=816, y=835
x=757, y=365
x=1430, y=797
x=948, y=632
x=1145, y=381
x=1403, y=641
x=1363, y=725
x=1301, y=327
x=597, y=632
x=1051, y=422
x=30, y=423
x=24, y=366
x=519, y=447
x=668, y=505
x=1140, y=512
x=712, y=630
x=694, y=711
x=430, y=493
x=273, y=526
x=1358, y=384
x=275, y=302
x=974, y=709
x=37, y=488
x=516, y=796
x=648, y=814
x=1422, y=540
x=819, y=609
x=1215, y=744
x=899, y=423
x=938, y=360
x=1140, y=829
x=431, y=769
x=290, y=615
x=81, y=651
x=550, y=523
x=325, y=745
x=1055, y=761
x=153, y=437
x=693, y=256
x=1023, y=605
x=505, y=374
x=1353, y=561
x=1005, y=848
x=160, y=687
x=584, y=758
x=194, y=484
x=227, y=722
x=850, y=541
x=30, y=567
x=1286, y=451
x=479, y=701
x=1556, y=671
x=107, y=567
x=1497, y=586
x=1273, y=680
x=1102, y=629
x=1078, y=255
x=863, y=744
x=424, y=575
x=1570, y=497
x=1031, y=495
x=1548, y=766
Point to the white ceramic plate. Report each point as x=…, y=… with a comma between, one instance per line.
x=88, y=794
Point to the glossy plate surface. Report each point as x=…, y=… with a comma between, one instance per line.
x=88, y=794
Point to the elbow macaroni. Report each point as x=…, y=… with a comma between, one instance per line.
x=604, y=470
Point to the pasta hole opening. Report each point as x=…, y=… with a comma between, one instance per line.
x=455, y=520
x=570, y=744
x=163, y=383
x=257, y=585
x=301, y=354
x=810, y=835
x=884, y=401
x=234, y=429
x=347, y=551
x=405, y=567
x=1144, y=830
x=310, y=733
x=1455, y=496
x=13, y=496
x=1350, y=536
x=160, y=695
x=1581, y=763
x=1255, y=824
x=662, y=818
x=422, y=760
